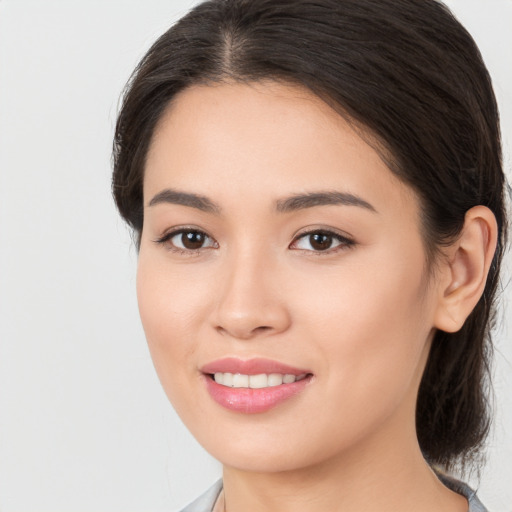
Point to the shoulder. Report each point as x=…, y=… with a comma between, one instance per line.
x=475, y=505
x=206, y=501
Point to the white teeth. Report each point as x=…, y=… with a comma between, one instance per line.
x=240, y=380
x=262, y=380
x=288, y=379
x=275, y=379
x=227, y=379
x=258, y=381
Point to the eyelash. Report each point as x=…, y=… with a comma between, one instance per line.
x=344, y=241
x=165, y=240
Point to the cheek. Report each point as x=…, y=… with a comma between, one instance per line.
x=372, y=326
x=170, y=307
x=171, y=297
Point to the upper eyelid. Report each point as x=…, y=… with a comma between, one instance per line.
x=327, y=231
x=176, y=230
x=345, y=240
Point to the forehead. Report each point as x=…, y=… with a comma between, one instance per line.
x=264, y=138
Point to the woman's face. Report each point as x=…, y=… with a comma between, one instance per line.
x=278, y=247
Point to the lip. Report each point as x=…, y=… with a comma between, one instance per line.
x=251, y=367
x=247, y=400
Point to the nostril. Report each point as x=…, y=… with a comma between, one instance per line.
x=243, y=332
x=262, y=328
x=250, y=317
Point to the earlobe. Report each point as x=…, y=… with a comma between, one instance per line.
x=467, y=266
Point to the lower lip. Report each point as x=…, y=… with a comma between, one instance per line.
x=253, y=401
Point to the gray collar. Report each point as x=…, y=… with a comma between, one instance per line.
x=206, y=501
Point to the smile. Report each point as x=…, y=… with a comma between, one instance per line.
x=260, y=381
x=253, y=386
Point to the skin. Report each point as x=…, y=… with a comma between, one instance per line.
x=359, y=316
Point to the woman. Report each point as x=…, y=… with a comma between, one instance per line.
x=317, y=195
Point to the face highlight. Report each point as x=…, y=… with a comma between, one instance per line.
x=282, y=281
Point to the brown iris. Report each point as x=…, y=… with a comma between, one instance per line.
x=193, y=239
x=320, y=241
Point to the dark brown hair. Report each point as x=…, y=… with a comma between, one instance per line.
x=412, y=76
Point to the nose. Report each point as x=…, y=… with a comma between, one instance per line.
x=250, y=302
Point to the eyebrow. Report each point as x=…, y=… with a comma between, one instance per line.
x=312, y=199
x=185, y=199
x=289, y=204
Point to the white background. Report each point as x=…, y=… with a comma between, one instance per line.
x=84, y=425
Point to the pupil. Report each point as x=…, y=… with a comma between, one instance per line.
x=320, y=242
x=192, y=240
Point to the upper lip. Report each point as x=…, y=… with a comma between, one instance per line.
x=253, y=366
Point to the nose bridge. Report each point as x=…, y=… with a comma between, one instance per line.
x=248, y=302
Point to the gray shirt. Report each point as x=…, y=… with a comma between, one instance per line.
x=206, y=502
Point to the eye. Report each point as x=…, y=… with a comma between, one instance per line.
x=321, y=241
x=187, y=240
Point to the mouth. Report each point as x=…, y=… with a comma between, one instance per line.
x=253, y=386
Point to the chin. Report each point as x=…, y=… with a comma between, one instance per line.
x=262, y=452
x=256, y=462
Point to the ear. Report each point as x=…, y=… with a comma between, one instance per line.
x=465, y=270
